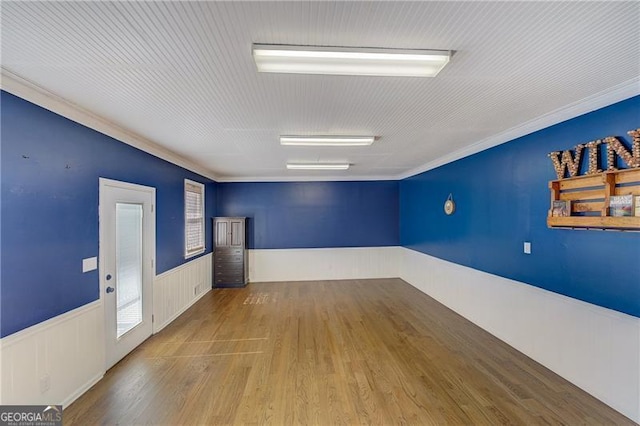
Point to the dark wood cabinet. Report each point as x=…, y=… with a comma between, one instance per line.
x=230, y=266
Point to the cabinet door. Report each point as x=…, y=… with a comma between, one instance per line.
x=222, y=232
x=237, y=233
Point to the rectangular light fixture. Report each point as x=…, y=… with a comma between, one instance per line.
x=317, y=166
x=349, y=60
x=326, y=140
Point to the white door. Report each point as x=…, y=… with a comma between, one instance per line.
x=127, y=252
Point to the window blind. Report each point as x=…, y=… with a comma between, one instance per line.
x=194, y=217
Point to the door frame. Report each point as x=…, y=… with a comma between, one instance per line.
x=149, y=242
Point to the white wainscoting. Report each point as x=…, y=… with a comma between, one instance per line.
x=65, y=354
x=595, y=348
x=176, y=290
x=323, y=264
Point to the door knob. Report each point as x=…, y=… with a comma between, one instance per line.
x=110, y=289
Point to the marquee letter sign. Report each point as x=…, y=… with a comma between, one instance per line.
x=569, y=162
x=566, y=161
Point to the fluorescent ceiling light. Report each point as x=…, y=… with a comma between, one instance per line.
x=317, y=166
x=349, y=60
x=327, y=140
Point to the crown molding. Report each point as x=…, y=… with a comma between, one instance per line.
x=591, y=103
x=36, y=94
x=40, y=96
x=285, y=178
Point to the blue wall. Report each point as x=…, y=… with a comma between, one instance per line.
x=50, y=170
x=49, y=213
x=502, y=200
x=314, y=214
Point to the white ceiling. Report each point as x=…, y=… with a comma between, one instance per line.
x=181, y=75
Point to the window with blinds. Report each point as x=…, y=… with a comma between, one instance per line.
x=193, y=218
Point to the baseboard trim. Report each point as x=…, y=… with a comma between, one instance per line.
x=595, y=348
x=40, y=351
x=179, y=288
x=82, y=389
x=180, y=312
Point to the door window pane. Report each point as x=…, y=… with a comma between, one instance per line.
x=128, y=266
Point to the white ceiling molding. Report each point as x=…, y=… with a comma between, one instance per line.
x=619, y=93
x=306, y=178
x=41, y=97
x=37, y=95
x=616, y=94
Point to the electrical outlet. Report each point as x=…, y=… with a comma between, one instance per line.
x=45, y=383
x=527, y=247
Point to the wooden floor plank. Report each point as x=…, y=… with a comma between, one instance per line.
x=330, y=352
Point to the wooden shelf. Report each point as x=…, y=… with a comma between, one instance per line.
x=600, y=222
x=590, y=195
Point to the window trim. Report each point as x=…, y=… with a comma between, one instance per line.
x=201, y=189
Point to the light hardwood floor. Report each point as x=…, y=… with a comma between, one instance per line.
x=330, y=352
